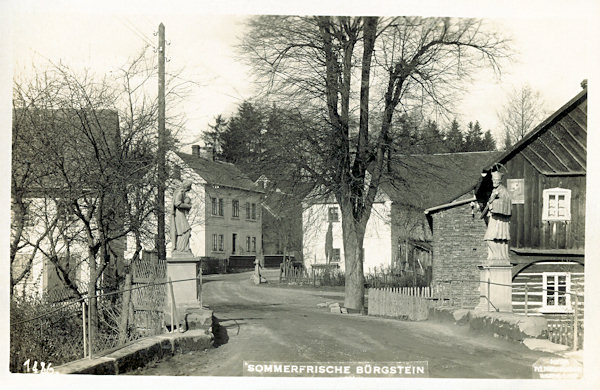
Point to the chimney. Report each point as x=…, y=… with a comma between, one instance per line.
x=207, y=152
x=584, y=84
x=196, y=150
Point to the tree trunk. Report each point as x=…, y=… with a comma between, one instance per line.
x=353, y=234
x=93, y=310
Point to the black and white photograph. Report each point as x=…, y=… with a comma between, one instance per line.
x=306, y=195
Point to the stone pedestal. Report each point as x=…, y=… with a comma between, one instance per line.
x=187, y=293
x=500, y=296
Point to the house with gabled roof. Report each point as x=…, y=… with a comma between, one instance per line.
x=226, y=209
x=397, y=234
x=546, y=177
x=51, y=255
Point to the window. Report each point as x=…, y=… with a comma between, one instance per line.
x=215, y=208
x=557, y=205
x=233, y=242
x=247, y=210
x=253, y=244
x=557, y=285
x=247, y=244
x=221, y=243
x=235, y=208
x=335, y=258
x=333, y=215
x=215, y=243
x=253, y=210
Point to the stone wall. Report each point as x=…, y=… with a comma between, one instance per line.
x=458, y=248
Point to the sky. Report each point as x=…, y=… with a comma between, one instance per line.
x=551, y=49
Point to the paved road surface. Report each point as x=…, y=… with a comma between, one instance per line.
x=261, y=323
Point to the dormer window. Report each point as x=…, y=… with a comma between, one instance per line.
x=557, y=205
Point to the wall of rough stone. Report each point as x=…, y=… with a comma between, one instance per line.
x=458, y=248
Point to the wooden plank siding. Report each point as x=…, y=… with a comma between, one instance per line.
x=533, y=277
x=527, y=228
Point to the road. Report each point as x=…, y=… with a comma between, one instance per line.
x=268, y=323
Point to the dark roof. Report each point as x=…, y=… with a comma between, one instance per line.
x=67, y=136
x=219, y=173
x=558, y=145
x=428, y=180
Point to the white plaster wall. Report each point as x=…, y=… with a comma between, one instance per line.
x=378, y=237
x=377, y=243
x=42, y=212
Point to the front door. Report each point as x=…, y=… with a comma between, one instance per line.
x=233, y=243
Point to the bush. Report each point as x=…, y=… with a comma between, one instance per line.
x=331, y=277
x=390, y=277
x=55, y=337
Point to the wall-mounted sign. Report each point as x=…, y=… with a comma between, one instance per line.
x=516, y=188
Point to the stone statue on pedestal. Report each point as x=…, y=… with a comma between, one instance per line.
x=498, y=209
x=495, y=273
x=180, y=228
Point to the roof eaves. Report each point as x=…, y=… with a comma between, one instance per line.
x=515, y=148
x=450, y=205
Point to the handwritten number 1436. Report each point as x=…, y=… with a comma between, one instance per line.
x=43, y=368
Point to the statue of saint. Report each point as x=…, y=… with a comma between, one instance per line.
x=499, y=209
x=180, y=227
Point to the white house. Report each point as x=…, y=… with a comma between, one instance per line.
x=322, y=229
x=397, y=233
x=226, y=209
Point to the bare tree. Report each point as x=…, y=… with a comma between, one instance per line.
x=336, y=70
x=523, y=110
x=91, y=143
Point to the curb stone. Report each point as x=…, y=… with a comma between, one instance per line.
x=141, y=352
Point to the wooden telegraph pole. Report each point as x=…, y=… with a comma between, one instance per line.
x=162, y=175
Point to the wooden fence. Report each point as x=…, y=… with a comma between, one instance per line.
x=149, y=302
x=292, y=272
x=402, y=302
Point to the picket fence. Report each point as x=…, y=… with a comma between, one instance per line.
x=410, y=303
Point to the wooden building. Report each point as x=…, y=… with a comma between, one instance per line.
x=546, y=176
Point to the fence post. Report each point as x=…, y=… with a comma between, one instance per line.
x=84, y=328
x=125, y=310
x=526, y=298
x=575, y=324
x=199, y=284
x=172, y=306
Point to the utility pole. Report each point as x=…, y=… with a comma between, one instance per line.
x=162, y=175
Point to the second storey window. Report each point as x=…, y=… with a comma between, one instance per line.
x=253, y=210
x=247, y=210
x=235, y=208
x=332, y=215
x=253, y=244
x=557, y=205
x=221, y=207
x=217, y=206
